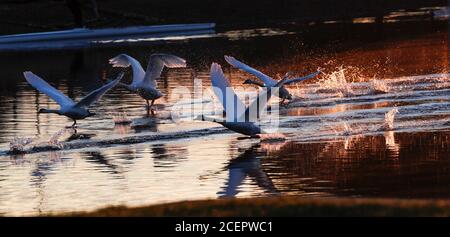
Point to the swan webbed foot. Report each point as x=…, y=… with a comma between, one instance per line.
x=244, y=138
x=249, y=137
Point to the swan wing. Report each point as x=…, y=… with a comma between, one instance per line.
x=124, y=60
x=223, y=90
x=42, y=86
x=156, y=65
x=238, y=64
x=260, y=103
x=299, y=79
x=98, y=93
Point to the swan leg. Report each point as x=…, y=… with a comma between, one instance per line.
x=151, y=107
x=148, y=108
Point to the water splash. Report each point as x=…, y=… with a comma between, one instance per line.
x=378, y=87
x=346, y=129
x=132, y=139
x=55, y=139
x=335, y=82
x=18, y=144
x=389, y=119
x=341, y=129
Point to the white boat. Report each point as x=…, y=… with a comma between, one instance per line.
x=92, y=34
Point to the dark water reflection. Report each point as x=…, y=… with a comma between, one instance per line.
x=334, y=144
x=406, y=165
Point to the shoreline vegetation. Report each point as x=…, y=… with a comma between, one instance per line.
x=278, y=206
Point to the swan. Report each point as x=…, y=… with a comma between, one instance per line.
x=68, y=107
x=144, y=82
x=268, y=81
x=239, y=122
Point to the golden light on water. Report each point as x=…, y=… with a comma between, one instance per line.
x=334, y=143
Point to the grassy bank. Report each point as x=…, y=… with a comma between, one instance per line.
x=281, y=206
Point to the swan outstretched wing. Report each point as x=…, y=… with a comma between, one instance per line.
x=238, y=64
x=226, y=96
x=42, y=86
x=124, y=60
x=98, y=93
x=260, y=103
x=156, y=65
x=299, y=79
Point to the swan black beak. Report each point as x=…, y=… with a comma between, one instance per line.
x=248, y=81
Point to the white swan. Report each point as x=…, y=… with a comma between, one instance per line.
x=144, y=82
x=268, y=81
x=241, y=117
x=68, y=107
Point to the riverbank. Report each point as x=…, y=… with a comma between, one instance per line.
x=280, y=206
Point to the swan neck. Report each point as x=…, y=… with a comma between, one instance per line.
x=49, y=111
x=257, y=83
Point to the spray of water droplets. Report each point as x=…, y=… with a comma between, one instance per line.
x=18, y=144
x=389, y=119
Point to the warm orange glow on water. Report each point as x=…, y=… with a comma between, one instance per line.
x=334, y=142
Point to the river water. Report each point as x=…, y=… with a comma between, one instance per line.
x=376, y=123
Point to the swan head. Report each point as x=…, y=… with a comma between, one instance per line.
x=48, y=111
x=90, y=113
x=289, y=97
x=248, y=81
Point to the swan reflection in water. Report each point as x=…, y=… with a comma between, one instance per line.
x=248, y=165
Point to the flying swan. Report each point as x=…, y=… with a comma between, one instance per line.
x=68, y=107
x=268, y=81
x=240, y=122
x=144, y=82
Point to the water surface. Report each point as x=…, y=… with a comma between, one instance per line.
x=339, y=141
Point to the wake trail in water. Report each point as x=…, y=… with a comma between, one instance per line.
x=22, y=144
x=337, y=107
x=132, y=139
x=334, y=107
